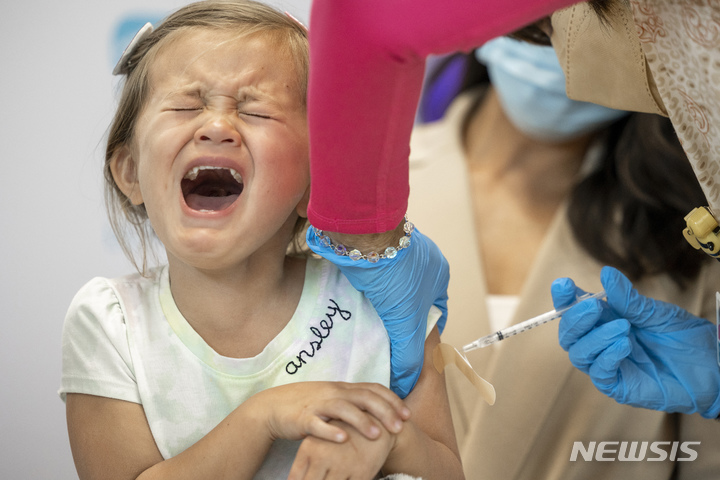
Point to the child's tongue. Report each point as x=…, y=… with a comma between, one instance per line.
x=201, y=202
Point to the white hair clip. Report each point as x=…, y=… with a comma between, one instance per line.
x=122, y=65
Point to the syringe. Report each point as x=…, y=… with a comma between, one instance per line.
x=527, y=324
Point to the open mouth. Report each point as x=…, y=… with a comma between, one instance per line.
x=211, y=189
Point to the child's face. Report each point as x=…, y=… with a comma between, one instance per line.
x=221, y=148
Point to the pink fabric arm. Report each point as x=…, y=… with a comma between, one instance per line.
x=367, y=66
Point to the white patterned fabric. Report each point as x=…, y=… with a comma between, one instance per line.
x=681, y=40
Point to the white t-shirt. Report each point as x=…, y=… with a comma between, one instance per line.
x=126, y=339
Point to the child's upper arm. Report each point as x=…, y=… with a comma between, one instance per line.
x=95, y=347
x=429, y=402
x=108, y=430
x=109, y=438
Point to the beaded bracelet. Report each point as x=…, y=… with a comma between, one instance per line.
x=372, y=257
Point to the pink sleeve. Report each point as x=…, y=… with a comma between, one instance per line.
x=367, y=66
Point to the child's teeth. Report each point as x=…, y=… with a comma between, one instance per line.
x=193, y=173
x=236, y=175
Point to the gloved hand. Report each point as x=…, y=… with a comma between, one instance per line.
x=640, y=351
x=402, y=290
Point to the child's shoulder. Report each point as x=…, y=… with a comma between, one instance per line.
x=323, y=279
x=102, y=296
x=325, y=274
x=97, y=285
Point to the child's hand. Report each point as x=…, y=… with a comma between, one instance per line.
x=297, y=410
x=356, y=459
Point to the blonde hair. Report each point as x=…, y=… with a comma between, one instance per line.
x=246, y=17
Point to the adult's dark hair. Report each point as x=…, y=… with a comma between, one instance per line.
x=629, y=212
x=536, y=32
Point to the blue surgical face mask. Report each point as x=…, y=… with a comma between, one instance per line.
x=531, y=87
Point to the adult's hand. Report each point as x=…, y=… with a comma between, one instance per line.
x=402, y=290
x=640, y=351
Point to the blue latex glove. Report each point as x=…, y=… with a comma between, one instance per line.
x=402, y=290
x=639, y=351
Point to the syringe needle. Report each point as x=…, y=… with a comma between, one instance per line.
x=527, y=324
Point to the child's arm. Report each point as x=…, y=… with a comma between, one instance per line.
x=111, y=439
x=426, y=446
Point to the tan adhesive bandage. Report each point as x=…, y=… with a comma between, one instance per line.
x=445, y=354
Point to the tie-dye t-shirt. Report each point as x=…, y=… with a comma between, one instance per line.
x=126, y=339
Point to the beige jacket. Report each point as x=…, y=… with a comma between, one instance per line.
x=544, y=404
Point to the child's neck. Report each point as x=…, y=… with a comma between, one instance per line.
x=238, y=312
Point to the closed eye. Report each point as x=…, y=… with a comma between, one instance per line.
x=253, y=114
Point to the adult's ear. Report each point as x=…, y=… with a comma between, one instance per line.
x=124, y=172
x=302, y=206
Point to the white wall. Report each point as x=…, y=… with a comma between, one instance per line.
x=56, y=101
